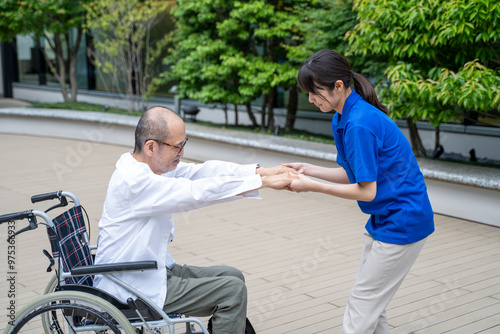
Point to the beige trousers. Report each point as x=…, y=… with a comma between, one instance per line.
x=381, y=271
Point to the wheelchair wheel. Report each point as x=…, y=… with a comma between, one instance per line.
x=51, y=285
x=69, y=312
x=66, y=318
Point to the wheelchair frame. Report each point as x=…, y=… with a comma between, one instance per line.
x=88, y=300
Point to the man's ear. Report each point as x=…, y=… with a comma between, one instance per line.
x=149, y=147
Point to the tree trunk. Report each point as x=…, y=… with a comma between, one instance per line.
x=73, y=60
x=236, y=114
x=225, y=113
x=263, y=112
x=436, y=138
x=61, y=67
x=60, y=70
x=130, y=74
x=251, y=115
x=73, y=82
x=56, y=48
x=416, y=142
x=270, y=109
x=293, y=100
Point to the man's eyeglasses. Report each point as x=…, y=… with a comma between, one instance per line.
x=177, y=147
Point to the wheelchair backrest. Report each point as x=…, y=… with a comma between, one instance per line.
x=69, y=243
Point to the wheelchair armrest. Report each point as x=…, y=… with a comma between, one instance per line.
x=114, y=267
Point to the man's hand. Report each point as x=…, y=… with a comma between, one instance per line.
x=278, y=181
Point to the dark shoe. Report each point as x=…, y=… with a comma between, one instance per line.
x=248, y=327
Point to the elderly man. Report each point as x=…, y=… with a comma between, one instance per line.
x=148, y=186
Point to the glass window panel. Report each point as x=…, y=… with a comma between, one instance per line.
x=27, y=58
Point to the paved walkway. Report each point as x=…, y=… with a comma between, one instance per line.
x=299, y=252
x=7, y=102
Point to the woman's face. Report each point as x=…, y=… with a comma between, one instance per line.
x=330, y=99
x=326, y=100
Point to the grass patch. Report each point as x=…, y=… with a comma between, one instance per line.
x=84, y=106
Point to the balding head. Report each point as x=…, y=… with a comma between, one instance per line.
x=154, y=124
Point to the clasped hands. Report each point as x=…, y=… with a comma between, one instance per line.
x=288, y=176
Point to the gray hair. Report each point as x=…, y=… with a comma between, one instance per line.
x=153, y=124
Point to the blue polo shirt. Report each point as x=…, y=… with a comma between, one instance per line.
x=371, y=147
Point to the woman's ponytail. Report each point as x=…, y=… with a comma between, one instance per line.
x=364, y=88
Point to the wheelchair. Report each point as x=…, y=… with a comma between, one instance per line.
x=70, y=304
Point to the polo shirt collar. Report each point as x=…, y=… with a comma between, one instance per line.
x=346, y=110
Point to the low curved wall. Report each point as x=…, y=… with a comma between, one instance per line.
x=467, y=192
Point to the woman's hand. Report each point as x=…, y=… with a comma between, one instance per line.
x=297, y=166
x=302, y=183
x=278, y=181
x=280, y=169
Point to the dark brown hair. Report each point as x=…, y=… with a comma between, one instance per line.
x=325, y=67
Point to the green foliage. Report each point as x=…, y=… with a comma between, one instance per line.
x=325, y=26
x=235, y=51
x=52, y=20
x=232, y=51
x=443, y=94
x=38, y=16
x=444, y=55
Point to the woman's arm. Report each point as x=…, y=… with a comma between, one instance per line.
x=335, y=175
x=362, y=191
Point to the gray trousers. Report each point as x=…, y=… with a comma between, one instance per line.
x=219, y=291
x=381, y=271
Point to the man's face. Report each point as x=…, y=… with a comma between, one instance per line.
x=167, y=155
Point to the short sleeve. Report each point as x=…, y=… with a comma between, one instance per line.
x=361, y=149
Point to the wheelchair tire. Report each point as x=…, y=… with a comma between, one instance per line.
x=84, y=301
x=66, y=318
x=51, y=285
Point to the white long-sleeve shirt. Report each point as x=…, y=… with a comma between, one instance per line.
x=137, y=222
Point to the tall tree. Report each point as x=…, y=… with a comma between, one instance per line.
x=53, y=21
x=324, y=24
x=123, y=47
x=231, y=51
x=255, y=26
x=196, y=62
x=444, y=57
